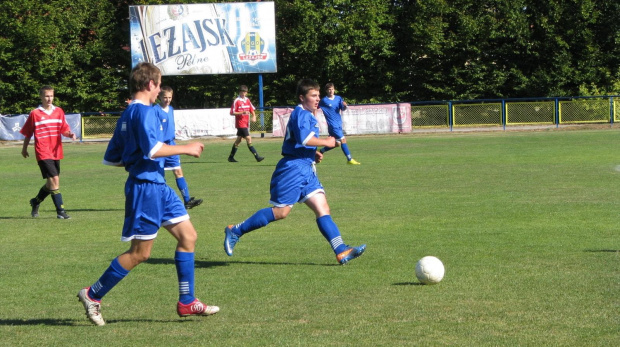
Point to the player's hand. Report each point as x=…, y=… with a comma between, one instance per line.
x=25, y=153
x=195, y=149
x=330, y=141
x=254, y=119
x=70, y=134
x=318, y=157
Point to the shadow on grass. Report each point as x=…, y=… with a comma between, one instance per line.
x=51, y=213
x=408, y=284
x=41, y=321
x=95, y=209
x=197, y=263
x=279, y=263
x=602, y=250
x=207, y=264
x=80, y=322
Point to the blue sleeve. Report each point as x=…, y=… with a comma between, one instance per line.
x=341, y=104
x=114, y=153
x=305, y=127
x=149, y=131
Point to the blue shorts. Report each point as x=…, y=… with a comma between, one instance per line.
x=294, y=180
x=335, y=132
x=148, y=206
x=172, y=163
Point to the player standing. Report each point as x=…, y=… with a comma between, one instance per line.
x=331, y=105
x=137, y=144
x=165, y=111
x=295, y=180
x=47, y=124
x=242, y=108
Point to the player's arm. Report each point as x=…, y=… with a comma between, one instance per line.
x=70, y=134
x=114, y=152
x=321, y=142
x=25, y=147
x=234, y=110
x=193, y=149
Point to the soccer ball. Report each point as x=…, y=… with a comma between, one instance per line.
x=429, y=270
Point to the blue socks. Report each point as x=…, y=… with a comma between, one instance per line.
x=345, y=150
x=182, y=185
x=184, y=262
x=258, y=220
x=114, y=274
x=330, y=231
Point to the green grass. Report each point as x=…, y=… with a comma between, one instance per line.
x=526, y=224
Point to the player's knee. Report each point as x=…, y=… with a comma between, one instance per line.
x=140, y=257
x=280, y=213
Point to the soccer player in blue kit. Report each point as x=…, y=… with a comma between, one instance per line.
x=165, y=111
x=137, y=145
x=331, y=105
x=295, y=180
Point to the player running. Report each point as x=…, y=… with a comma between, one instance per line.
x=137, y=145
x=295, y=180
x=331, y=105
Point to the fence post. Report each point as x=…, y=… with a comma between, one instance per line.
x=261, y=105
x=450, y=115
x=81, y=128
x=611, y=110
x=557, y=113
x=504, y=114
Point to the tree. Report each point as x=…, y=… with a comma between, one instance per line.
x=61, y=44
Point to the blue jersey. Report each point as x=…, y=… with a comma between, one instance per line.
x=167, y=121
x=137, y=136
x=302, y=126
x=331, y=109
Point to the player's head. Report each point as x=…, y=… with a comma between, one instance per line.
x=330, y=89
x=308, y=92
x=145, y=77
x=165, y=96
x=243, y=90
x=47, y=96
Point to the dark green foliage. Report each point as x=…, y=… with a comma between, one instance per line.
x=373, y=50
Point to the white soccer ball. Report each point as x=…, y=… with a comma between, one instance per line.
x=429, y=270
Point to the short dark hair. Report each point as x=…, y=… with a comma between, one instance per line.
x=243, y=88
x=329, y=85
x=306, y=85
x=141, y=75
x=45, y=88
x=165, y=89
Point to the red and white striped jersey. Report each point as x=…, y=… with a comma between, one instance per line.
x=47, y=127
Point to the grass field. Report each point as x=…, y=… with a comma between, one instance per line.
x=526, y=224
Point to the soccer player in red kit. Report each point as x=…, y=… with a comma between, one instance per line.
x=47, y=123
x=242, y=108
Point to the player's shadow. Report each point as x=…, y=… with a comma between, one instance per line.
x=602, y=250
x=280, y=263
x=408, y=284
x=197, y=263
x=208, y=264
x=94, y=209
x=79, y=322
x=41, y=321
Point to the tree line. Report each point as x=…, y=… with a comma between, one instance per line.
x=373, y=50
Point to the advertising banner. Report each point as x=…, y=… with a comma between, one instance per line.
x=198, y=39
x=11, y=125
x=207, y=122
x=356, y=120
